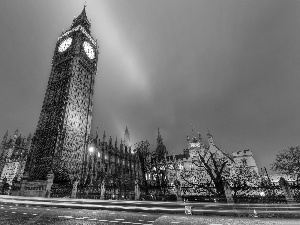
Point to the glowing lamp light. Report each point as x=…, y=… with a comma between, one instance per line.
x=91, y=149
x=262, y=193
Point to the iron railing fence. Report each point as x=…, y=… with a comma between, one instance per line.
x=270, y=194
x=61, y=190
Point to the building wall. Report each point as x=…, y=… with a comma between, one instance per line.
x=245, y=156
x=290, y=178
x=14, y=153
x=111, y=158
x=10, y=170
x=196, y=146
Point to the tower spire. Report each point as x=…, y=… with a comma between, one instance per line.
x=174, y=157
x=127, y=137
x=209, y=134
x=110, y=141
x=17, y=131
x=82, y=20
x=3, y=141
x=193, y=135
x=159, y=139
x=97, y=135
x=210, y=137
x=200, y=138
x=121, y=145
x=194, y=139
x=104, y=136
x=5, y=136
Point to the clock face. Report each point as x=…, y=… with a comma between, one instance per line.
x=65, y=44
x=89, y=50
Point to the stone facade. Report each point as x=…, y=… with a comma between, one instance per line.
x=186, y=160
x=14, y=152
x=245, y=157
x=106, y=157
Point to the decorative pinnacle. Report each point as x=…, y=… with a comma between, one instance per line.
x=193, y=130
x=82, y=20
x=199, y=137
x=209, y=134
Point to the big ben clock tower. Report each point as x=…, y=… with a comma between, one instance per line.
x=65, y=120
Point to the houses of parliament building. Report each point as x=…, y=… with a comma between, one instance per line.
x=62, y=149
x=62, y=146
x=104, y=155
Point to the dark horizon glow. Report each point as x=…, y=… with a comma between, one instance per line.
x=231, y=66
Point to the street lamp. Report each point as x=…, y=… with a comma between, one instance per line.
x=91, y=149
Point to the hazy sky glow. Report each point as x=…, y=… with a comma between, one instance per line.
x=228, y=65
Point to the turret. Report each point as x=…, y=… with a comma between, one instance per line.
x=174, y=156
x=19, y=140
x=195, y=140
x=97, y=136
x=28, y=141
x=210, y=138
x=116, y=143
x=4, y=138
x=110, y=141
x=104, y=136
x=16, y=132
x=121, y=146
x=199, y=137
x=15, y=136
x=23, y=142
x=159, y=138
x=126, y=137
x=98, y=141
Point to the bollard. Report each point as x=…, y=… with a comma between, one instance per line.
x=188, y=210
x=255, y=213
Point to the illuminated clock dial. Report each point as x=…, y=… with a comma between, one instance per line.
x=65, y=44
x=89, y=50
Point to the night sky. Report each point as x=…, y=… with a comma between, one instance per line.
x=230, y=66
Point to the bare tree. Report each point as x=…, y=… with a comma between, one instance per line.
x=288, y=162
x=241, y=176
x=142, y=149
x=208, y=171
